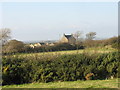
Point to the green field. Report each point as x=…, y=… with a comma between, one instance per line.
x=88, y=51
x=111, y=83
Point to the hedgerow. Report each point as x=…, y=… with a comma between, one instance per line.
x=18, y=70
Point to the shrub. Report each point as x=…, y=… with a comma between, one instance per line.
x=13, y=46
x=56, y=47
x=18, y=70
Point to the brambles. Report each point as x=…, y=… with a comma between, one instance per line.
x=18, y=70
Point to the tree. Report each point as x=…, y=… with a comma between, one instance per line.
x=77, y=35
x=90, y=35
x=13, y=46
x=5, y=35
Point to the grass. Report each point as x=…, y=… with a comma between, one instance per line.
x=88, y=50
x=111, y=83
x=55, y=54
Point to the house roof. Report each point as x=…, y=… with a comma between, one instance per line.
x=68, y=36
x=42, y=43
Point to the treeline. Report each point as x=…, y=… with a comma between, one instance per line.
x=18, y=70
x=15, y=46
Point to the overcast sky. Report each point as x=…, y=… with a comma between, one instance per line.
x=49, y=20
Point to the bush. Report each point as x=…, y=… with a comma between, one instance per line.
x=13, y=46
x=56, y=47
x=113, y=41
x=18, y=70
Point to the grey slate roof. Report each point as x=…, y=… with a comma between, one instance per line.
x=68, y=36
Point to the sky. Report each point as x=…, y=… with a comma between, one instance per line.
x=35, y=21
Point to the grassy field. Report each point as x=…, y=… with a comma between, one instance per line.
x=111, y=83
x=89, y=51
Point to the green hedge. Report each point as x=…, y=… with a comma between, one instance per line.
x=17, y=70
x=56, y=47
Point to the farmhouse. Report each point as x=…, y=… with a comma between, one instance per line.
x=68, y=39
x=65, y=39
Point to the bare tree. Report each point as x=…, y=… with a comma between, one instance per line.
x=90, y=35
x=5, y=35
x=77, y=35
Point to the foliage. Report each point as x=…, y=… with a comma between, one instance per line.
x=90, y=35
x=13, y=46
x=108, y=43
x=56, y=47
x=18, y=70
